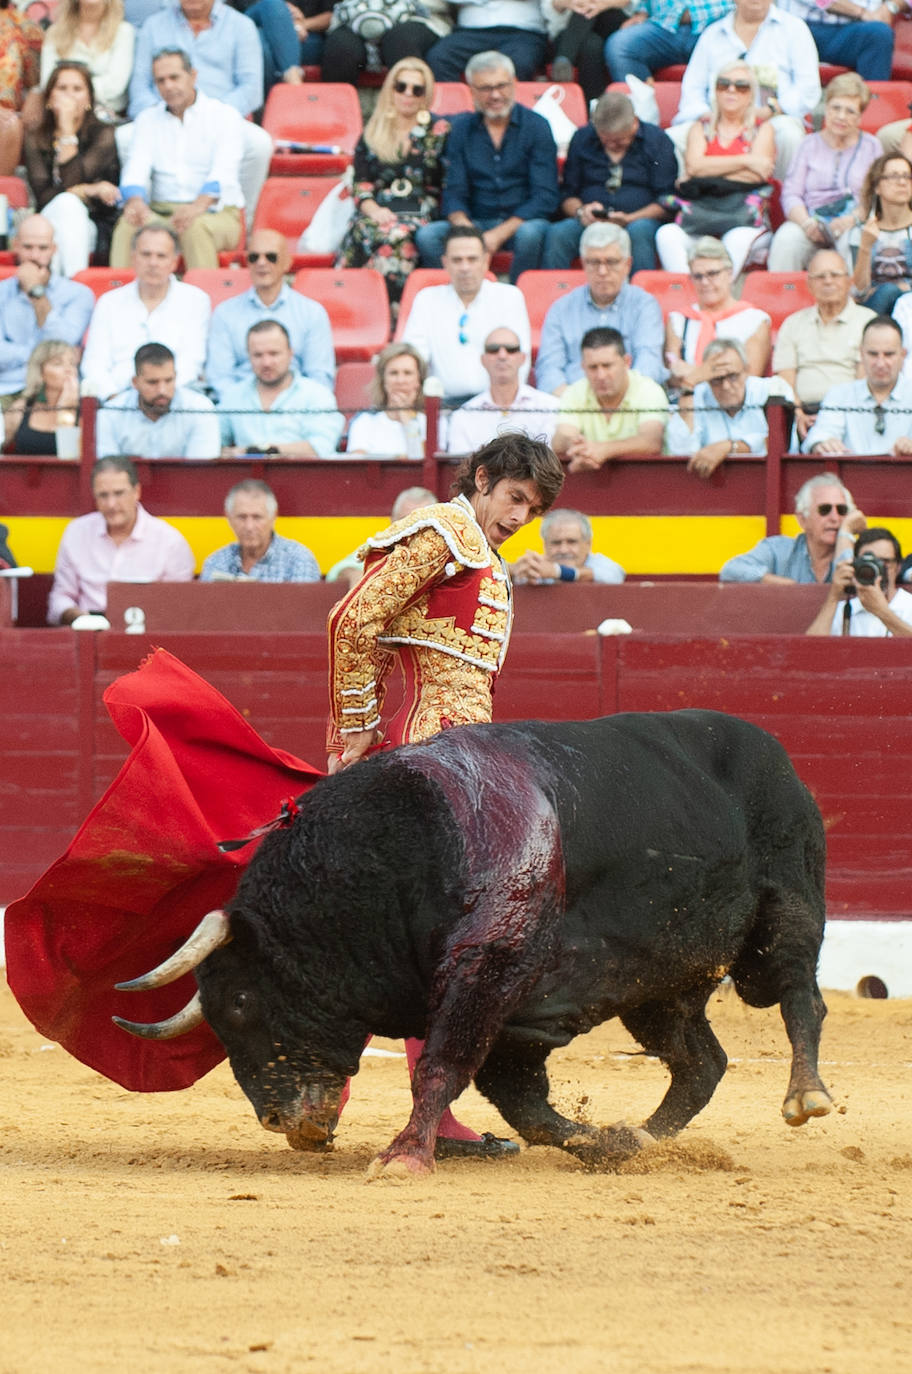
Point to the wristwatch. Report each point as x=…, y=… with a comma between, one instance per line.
x=37, y=292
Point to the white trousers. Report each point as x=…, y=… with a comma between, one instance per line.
x=673, y=245
x=74, y=232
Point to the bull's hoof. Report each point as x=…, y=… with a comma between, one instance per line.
x=400, y=1168
x=608, y=1146
x=800, y=1107
x=489, y=1146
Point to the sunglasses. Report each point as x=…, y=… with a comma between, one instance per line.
x=880, y=420
x=826, y=506
x=740, y=86
x=463, y=326
x=406, y=88
x=708, y=276
x=269, y=257
x=502, y=348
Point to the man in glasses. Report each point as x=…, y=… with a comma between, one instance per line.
x=507, y=404
x=501, y=170
x=874, y=413
x=616, y=171
x=829, y=523
x=820, y=347
x=872, y=609
x=729, y=413
x=269, y=298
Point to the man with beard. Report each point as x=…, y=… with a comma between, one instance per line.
x=156, y=418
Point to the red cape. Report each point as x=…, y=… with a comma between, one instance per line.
x=142, y=871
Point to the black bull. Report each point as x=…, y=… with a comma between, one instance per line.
x=501, y=889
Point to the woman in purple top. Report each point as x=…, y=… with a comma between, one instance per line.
x=821, y=192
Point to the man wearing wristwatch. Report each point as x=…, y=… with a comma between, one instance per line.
x=851, y=33
x=34, y=306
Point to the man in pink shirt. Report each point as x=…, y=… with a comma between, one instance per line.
x=118, y=542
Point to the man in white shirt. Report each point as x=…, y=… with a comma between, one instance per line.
x=183, y=168
x=449, y=324
x=154, y=308
x=156, y=418
x=497, y=409
x=864, y=600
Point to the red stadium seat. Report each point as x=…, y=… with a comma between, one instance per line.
x=673, y=73
x=315, y=127
x=102, y=279
x=352, y=383
x=778, y=293
x=574, y=103
x=219, y=283
x=452, y=97
x=670, y=289
x=288, y=204
x=541, y=290
x=668, y=98
x=7, y=270
x=358, y=307
x=16, y=192
x=902, y=48
x=890, y=100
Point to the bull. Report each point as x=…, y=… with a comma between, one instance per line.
x=500, y=889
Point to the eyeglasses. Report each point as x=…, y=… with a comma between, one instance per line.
x=896, y=176
x=269, y=257
x=708, y=276
x=406, y=88
x=726, y=377
x=615, y=177
x=609, y=264
x=503, y=348
x=493, y=89
x=880, y=420
x=827, y=276
x=463, y=326
x=826, y=506
x=724, y=83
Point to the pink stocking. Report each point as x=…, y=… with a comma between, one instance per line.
x=449, y=1127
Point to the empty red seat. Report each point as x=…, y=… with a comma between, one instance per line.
x=541, y=290
x=102, y=279
x=890, y=100
x=778, y=293
x=902, y=49
x=671, y=289
x=315, y=127
x=452, y=97
x=219, y=283
x=288, y=205
x=353, y=382
x=357, y=304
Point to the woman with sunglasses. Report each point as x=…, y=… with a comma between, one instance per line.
x=73, y=169
x=398, y=177
x=396, y=426
x=881, y=244
x=727, y=154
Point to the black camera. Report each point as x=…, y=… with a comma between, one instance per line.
x=869, y=570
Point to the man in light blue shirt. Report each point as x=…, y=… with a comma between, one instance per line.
x=156, y=418
x=276, y=410
x=729, y=414
x=829, y=523
x=568, y=557
x=666, y=38
x=874, y=413
x=260, y=555
x=36, y=307
x=270, y=297
x=607, y=300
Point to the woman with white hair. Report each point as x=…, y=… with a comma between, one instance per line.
x=713, y=313
x=728, y=159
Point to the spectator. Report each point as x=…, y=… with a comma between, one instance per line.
x=501, y=169
x=713, y=314
x=398, y=174
x=154, y=308
x=728, y=157
x=449, y=324
x=862, y=41
x=728, y=409
x=578, y=29
x=291, y=36
x=611, y=412
x=20, y=45
x=874, y=610
x=515, y=28
x=156, y=418
x=507, y=404
x=874, y=413
x=50, y=400
x=397, y=426
x=95, y=33
x=819, y=347
x=118, y=542
x=348, y=570
x=781, y=51
x=662, y=33
x=828, y=519
x=414, y=27
x=823, y=186
x=260, y=555
x=225, y=51
x=73, y=169
x=607, y=299
x=568, y=556
x=276, y=410
x=34, y=306
x=269, y=298
x=183, y=168
x=617, y=169
x=880, y=244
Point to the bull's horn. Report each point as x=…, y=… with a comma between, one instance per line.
x=187, y=1019
x=212, y=931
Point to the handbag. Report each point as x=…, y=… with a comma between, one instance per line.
x=713, y=205
x=550, y=106
x=325, y=232
x=371, y=19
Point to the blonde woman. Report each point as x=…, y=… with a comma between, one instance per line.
x=94, y=32
x=726, y=154
x=398, y=173
x=396, y=427
x=49, y=401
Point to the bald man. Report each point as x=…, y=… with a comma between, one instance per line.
x=34, y=306
x=269, y=298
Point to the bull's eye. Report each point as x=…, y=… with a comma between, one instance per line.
x=239, y=1006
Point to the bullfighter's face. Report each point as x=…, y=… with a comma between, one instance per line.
x=501, y=508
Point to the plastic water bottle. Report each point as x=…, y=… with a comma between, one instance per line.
x=4, y=223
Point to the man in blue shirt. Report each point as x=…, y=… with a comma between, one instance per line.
x=156, y=418
x=729, y=410
x=501, y=171
x=829, y=523
x=260, y=555
x=606, y=301
x=269, y=298
x=663, y=34
x=276, y=410
x=616, y=170
x=34, y=306
x=874, y=413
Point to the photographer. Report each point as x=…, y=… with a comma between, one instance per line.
x=863, y=598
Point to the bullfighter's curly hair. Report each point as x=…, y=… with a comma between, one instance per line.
x=514, y=456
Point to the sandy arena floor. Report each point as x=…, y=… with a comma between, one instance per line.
x=170, y=1233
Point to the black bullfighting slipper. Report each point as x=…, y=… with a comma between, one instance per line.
x=488, y=1147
